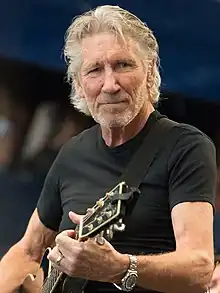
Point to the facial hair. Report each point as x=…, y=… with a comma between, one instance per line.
x=112, y=116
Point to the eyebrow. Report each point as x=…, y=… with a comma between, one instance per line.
x=88, y=66
x=124, y=59
x=91, y=65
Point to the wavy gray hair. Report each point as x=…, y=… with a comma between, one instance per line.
x=123, y=24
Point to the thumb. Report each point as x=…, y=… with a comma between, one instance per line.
x=75, y=218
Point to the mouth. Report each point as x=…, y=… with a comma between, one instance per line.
x=113, y=103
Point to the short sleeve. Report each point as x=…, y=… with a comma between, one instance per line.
x=192, y=168
x=49, y=203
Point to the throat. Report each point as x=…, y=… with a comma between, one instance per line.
x=116, y=136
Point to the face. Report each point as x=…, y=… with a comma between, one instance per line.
x=112, y=79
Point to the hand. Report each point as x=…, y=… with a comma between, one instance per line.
x=88, y=260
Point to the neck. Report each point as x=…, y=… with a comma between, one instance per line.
x=119, y=135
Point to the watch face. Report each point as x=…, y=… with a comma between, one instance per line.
x=131, y=281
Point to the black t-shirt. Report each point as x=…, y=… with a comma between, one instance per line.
x=86, y=168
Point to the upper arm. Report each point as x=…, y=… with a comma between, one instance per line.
x=193, y=226
x=192, y=169
x=192, y=190
x=49, y=206
x=37, y=238
x=44, y=223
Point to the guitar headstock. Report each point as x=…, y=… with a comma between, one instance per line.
x=105, y=216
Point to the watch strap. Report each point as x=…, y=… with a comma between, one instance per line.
x=131, y=273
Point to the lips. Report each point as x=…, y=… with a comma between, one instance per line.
x=112, y=103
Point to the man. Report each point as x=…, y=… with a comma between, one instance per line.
x=112, y=66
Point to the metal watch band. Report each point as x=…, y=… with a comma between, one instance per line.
x=131, y=273
x=133, y=262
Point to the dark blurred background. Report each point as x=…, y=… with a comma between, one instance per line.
x=36, y=118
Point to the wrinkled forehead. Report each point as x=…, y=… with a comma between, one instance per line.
x=104, y=46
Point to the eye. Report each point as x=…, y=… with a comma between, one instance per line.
x=96, y=69
x=124, y=64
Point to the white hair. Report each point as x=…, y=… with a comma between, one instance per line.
x=123, y=24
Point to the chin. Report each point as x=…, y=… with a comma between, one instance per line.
x=113, y=124
x=114, y=121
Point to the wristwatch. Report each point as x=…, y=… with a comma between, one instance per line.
x=130, y=279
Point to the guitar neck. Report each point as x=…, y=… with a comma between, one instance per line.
x=52, y=281
x=55, y=277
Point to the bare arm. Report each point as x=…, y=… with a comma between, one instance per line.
x=25, y=256
x=189, y=268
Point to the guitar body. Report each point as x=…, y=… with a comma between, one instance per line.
x=32, y=284
x=64, y=285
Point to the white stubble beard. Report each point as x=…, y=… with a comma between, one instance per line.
x=122, y=118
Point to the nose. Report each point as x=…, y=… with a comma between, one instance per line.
x=110, y=83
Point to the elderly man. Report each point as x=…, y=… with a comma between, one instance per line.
x=167, y=245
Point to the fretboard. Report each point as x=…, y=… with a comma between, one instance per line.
x=51, y=281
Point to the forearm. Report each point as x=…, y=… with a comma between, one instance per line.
x=14, y=267
x=174, y=272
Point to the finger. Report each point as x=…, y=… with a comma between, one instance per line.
x=69, y=233
x=54, y=254
x=89, y=211
x=64, y=241
x=100, y=240
x=75, y=218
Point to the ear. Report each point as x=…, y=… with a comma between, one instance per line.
x=78, y=86
x=151, y=73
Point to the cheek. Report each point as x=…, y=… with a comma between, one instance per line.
x=92, y=88
x=133, y=83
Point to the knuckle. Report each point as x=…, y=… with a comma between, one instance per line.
x=71, y=268
x=57, y=239
x=79, y=252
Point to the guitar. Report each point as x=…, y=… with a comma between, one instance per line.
x=104, y=218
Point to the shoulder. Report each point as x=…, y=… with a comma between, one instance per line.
x=188, y=137
x=84, y=141
x=183, y=134
x=191, y=149
x=182, y=138
x=86, y=135
x=191, y=166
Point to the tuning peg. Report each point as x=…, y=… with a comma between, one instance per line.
x=109, y=233
x=108, y=214
x=100, y=202
x=100, y=238
x=119, y=226
x=90, y=227
x=99, y=220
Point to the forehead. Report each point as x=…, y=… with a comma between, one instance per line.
x=106, y=46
